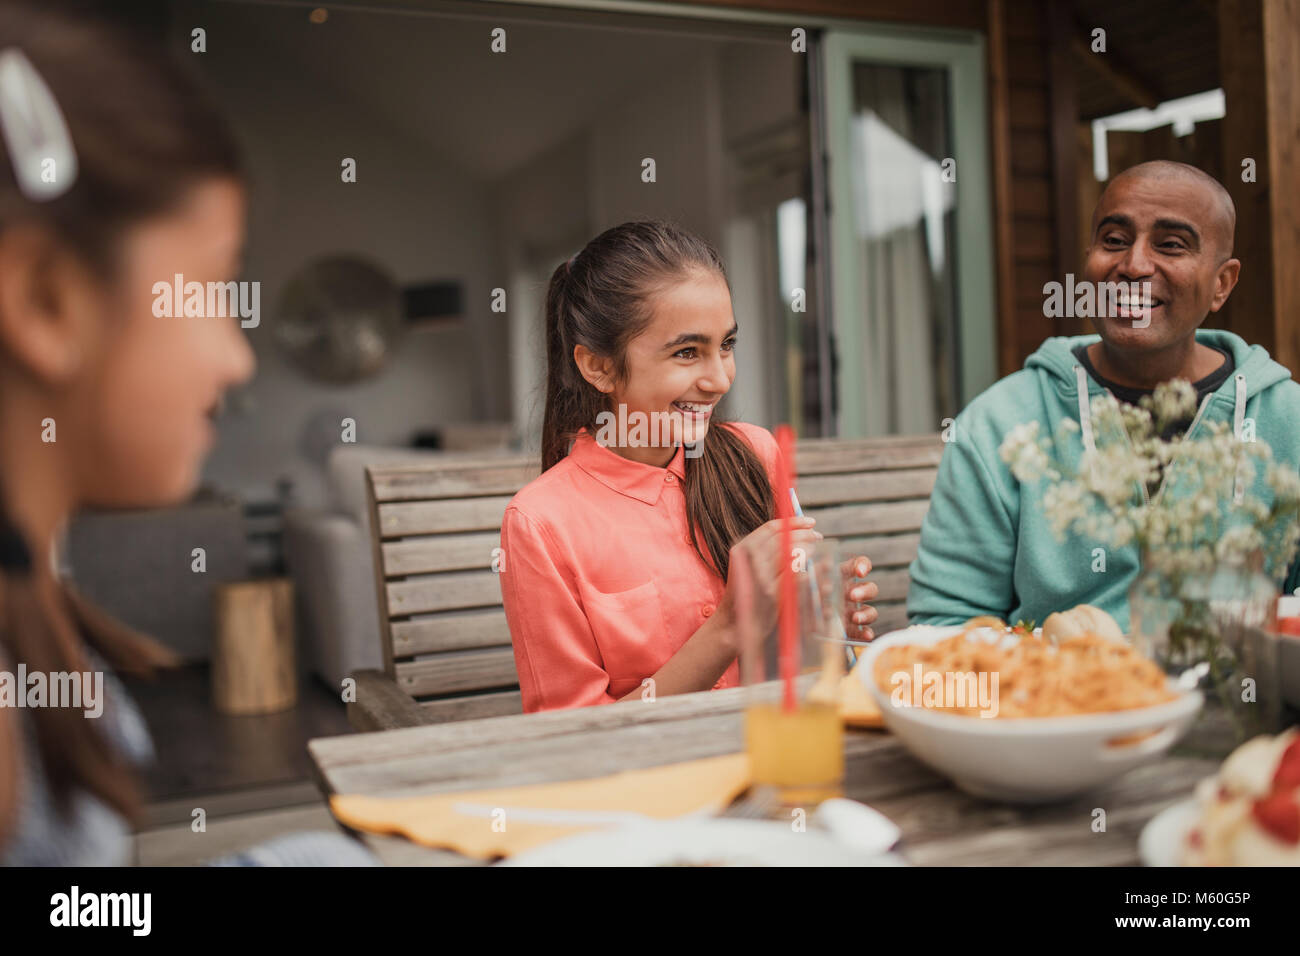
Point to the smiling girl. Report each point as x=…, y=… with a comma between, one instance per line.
x=617, y=557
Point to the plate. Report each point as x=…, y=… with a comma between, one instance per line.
x=1162, y=839
x=1027, y=759
x=716, y=842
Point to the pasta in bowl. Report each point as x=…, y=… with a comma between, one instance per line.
x=1013, y=716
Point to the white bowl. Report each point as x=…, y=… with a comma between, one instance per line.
x=1025, y=759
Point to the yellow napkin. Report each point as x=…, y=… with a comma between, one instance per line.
x=857, y=707
x=486, y=824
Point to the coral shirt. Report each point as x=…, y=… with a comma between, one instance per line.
x=600, y=582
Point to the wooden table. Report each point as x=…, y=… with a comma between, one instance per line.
x=941, y=825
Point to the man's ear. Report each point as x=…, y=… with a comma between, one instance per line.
x=596, y=369
x=1224, y=282
x=44, y=299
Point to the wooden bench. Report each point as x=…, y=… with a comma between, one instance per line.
x=447, y=653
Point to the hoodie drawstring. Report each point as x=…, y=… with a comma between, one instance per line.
x=1238, y=420
x=1085, y=413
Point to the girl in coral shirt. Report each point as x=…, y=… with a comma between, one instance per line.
x=616, y=558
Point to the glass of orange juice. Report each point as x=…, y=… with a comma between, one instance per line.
x=794, y=735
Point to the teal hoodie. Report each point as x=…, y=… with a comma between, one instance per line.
x=986, y=546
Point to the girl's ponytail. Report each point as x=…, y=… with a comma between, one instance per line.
x=562, y=418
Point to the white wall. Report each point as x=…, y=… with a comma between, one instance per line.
x=677, y=120
x=541, y=214
x=418, y=218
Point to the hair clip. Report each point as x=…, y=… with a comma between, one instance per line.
x=40, y=147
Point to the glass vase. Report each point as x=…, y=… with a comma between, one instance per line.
x=1212, y=631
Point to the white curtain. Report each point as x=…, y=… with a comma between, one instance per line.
x=900, y=203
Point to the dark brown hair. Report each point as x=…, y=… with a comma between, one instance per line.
x=144, y=135
x=602, y=299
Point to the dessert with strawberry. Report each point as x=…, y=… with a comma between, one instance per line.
x=1250, y=811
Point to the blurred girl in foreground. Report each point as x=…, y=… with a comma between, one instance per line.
x=116, y=174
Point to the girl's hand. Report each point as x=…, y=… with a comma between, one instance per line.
x=857, y=590
x=763, y=553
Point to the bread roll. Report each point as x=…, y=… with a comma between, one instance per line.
x=1084, y=619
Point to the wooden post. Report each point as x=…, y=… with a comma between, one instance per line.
x=253, y=668
x=1259, y=65
x=1282, y=54
x=1063, y=91
x=1003, y=210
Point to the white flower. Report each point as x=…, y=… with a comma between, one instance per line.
x=1238, y=542
x=1022, y=451
x=1189, y=517
x=1285, y=483
x=1172, y=401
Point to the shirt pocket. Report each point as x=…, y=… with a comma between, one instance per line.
x=629, y=630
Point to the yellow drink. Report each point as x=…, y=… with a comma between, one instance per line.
x=801, y=753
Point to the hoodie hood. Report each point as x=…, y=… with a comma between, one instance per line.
x=1255, y=373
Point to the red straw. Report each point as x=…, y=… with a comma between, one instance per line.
x=789, y=608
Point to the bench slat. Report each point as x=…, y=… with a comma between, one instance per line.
x=884, y=551
x=908, y=483
x=891, y=617
x=459, y=552
x=468, y=589
x=497, y=704
x=458, y=672
x=403, y=518
x=819, y=456
x=453, y=591
x=845, y=520
x=418, y=482
x=893, y=585
x=451, y=632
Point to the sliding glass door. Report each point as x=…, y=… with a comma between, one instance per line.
x=910, y=229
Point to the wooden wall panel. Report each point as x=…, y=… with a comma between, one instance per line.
x=1259, y=61
x=1031, y=247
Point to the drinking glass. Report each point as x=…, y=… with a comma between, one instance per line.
x=794, y=734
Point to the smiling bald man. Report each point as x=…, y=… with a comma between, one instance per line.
x=986, y=547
